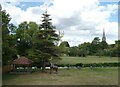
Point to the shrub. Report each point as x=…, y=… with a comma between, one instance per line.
x=115, y=64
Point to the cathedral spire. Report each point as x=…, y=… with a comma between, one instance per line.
x=104, y=37
x=46, y=6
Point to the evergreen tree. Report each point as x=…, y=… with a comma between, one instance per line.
x=44, y=48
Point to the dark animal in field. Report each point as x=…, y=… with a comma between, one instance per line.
x=53, y=67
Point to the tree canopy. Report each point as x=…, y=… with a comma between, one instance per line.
x=37, y=42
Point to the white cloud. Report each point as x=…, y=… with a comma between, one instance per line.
x=14, y=12
x=81, y=20
x=18, y=15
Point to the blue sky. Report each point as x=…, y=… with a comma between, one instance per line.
x=80, y=20
x=25, y=5
x=114, y=17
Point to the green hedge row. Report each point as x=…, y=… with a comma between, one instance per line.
x=115, y=64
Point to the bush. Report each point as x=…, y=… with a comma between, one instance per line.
x=115, y=64
x=79, y=64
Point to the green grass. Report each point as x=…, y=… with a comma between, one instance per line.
x=89, y=59
x=85, y=76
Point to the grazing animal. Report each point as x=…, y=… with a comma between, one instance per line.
x=53, y=67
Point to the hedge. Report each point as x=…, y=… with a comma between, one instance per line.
x=115, y=64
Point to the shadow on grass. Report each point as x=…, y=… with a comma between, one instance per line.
x=8, y=76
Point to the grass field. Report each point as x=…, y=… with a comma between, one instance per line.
x=89, y=59
x=85, y=76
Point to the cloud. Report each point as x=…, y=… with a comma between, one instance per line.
x=18, y=15
x=81, y=20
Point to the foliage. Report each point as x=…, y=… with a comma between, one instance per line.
x=103, y=45
x=64, y=46
x=8, y=44
x=95, y=46
x=64, y=43
x=84, y=49
x=25, y=36
x=73, y=51
x=29, y=39
x=44, y=48
x=114, y=64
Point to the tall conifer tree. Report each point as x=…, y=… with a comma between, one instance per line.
x=45, y=42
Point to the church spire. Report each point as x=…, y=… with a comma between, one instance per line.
x=104, y=37
x=46, y=6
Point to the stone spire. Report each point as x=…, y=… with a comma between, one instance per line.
x=104, y=37
x=46, y=7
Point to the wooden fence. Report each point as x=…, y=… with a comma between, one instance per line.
x=6, y=68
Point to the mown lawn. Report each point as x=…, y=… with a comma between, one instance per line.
x=84, y=76
x=89, y=59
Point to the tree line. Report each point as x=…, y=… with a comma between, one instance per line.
x=95, y=48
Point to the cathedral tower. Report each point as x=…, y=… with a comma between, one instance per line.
x=104, y=37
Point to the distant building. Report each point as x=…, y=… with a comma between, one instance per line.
x=104, y=44
x=104, y=36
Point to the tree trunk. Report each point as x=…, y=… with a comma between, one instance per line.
x=43, y=66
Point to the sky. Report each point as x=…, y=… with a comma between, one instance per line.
x=79, y=20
